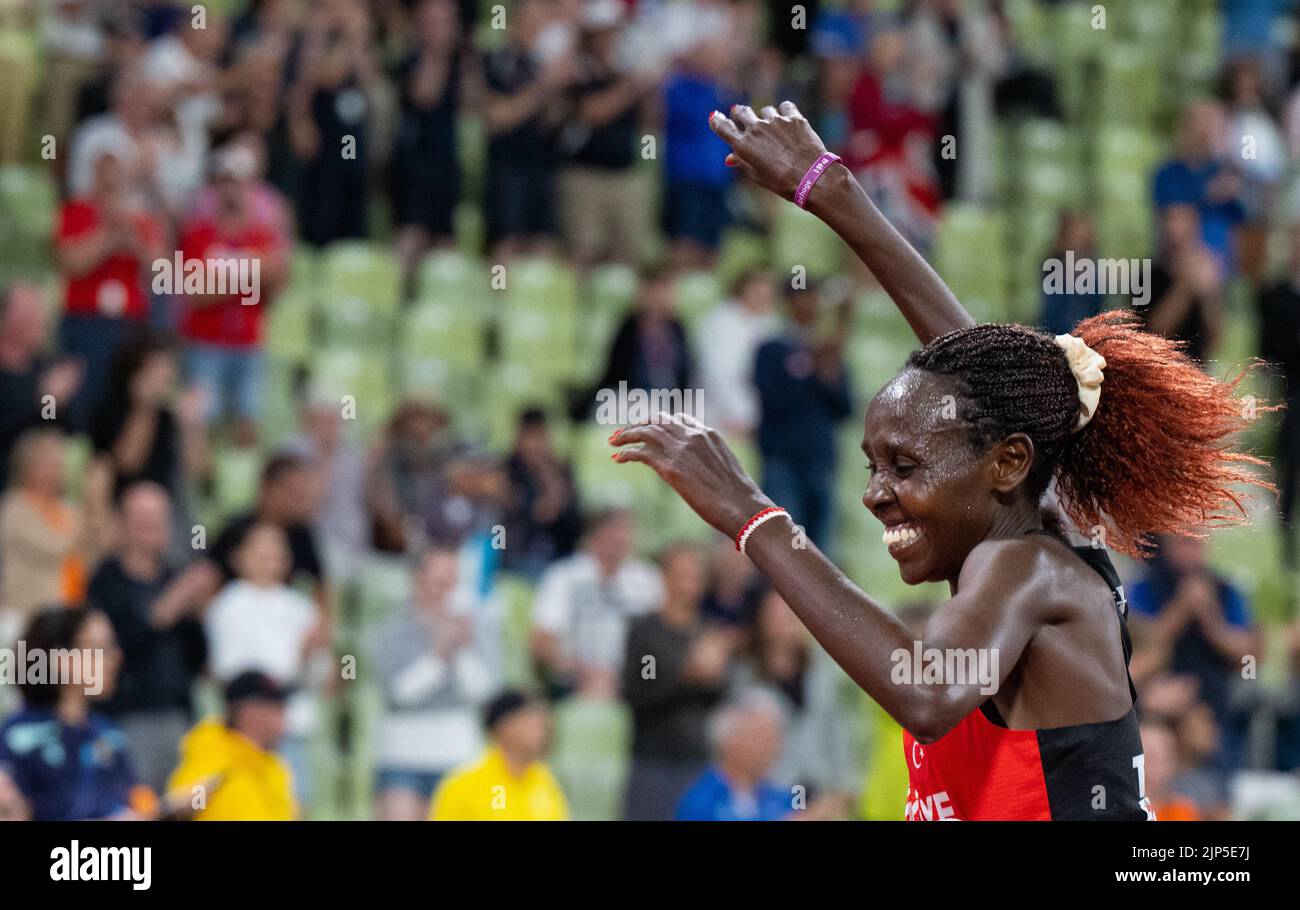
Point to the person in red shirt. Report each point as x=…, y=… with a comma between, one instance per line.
x=224, y=331
x=104, y=244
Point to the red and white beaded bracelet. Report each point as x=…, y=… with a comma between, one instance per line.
x=750, y=526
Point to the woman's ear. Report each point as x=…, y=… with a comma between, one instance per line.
x=1013, y=458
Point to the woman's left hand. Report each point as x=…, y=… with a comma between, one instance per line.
x=696, y=462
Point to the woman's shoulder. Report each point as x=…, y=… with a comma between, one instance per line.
x=1039, y=567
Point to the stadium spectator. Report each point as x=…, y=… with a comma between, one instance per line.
x=432, y=83
x=342, y=525
x=1186, y=285
x=728, y=337
x=145, y=429
x=286, y=498
x=435, y=668
x=328, y=110
x=426, y=483
x=542, y=522
x=696, y=178
x=1279, y=343
x=70, y=761
x=783, y=659
x=1063, y=310
x=526, y=80
x=258, y=622
x=1259, y=157
x=124, y=131
x=735, y=587
x=803, y=395
x=181, y=67
x=674, y=674
x=650, y=351
x=160, y=665
x=892, y=131
x=603, y=194
x=747, y=735
x=73, y=47
x=123, y=34
x=229, y=764
x=1198, y=176
x=13, y=808
x=509, y=782
x=223, y=332
x=1196, y=623
x=46, y=540
x=104, y=244
x=33, y=389
x=1160, y=768
x=958, y=54
x=584, y=604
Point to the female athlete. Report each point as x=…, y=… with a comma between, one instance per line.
x=963, y=446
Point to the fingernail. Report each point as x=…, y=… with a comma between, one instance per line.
x=614, y=457
x=712, y=115
x=730, y=161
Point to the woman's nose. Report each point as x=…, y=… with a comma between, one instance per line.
x=877, y=494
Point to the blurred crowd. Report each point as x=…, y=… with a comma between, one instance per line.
x=231, y=647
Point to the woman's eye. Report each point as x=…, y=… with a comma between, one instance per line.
x=903, y=470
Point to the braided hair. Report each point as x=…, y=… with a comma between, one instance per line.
x=1157, y=455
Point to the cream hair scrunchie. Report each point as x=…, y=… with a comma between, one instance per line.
x=1086, y=365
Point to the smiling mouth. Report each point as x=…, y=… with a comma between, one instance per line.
x=900, y=536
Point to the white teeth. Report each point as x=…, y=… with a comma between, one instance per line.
x=900, y=534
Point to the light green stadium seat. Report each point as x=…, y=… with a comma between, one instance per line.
x=800, y=238
x=454, y=334
x=235, y=473
x=509, y=387
x=1130, y=84
x=361, y=269
x=289, y=329
x=28, y=201
x=383, y=588
x=337, y=373
x=541, y=283
x=607, y=297
x=697, y=293
x=590, y=757
x=452, y=279
x=278, y=418
x=360, y=290
x=516, y=595
x=77, y=455
x=611, y=287
x=607, y=483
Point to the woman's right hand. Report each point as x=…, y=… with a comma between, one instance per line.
x=774, y=147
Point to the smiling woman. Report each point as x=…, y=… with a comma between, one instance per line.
x=963, y=446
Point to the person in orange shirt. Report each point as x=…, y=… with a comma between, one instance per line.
x=45, y=541
x=1160, y=746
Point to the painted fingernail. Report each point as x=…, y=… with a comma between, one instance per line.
x=712, y=115
x=730, y=161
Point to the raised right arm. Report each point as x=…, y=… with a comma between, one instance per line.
x=776, y=148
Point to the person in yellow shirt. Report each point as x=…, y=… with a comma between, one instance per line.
x=509, y=782
x=229, y=770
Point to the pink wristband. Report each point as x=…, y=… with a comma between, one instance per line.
x=810, y=179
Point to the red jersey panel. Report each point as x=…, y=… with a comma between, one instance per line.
x=981, y=770
x=976, y=771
